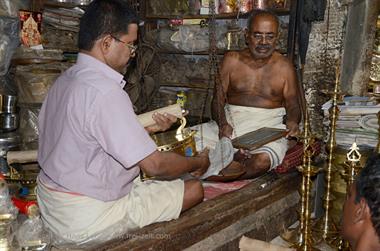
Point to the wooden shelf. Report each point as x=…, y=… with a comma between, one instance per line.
x=200, y=53
x=63, y=4
x=203, y=53
x=192, y=85
x=279, y=12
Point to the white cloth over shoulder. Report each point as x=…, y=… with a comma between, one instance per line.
x=245, y=119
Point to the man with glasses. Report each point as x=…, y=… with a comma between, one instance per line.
x=92, y=147
x=257, y=87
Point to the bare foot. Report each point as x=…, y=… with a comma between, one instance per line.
x=230, y=173
x=242, y=155
x=233, y=168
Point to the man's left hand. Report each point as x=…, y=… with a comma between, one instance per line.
x=163, y=122
x=201, y=169
x=292, y=130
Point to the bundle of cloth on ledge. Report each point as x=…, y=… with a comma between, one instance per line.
x=245, y=119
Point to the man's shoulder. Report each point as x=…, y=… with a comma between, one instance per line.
x=282, y=60
x=234, y=57
x=87, y=77
x=231, y=55
x=85, y=72
x=239, y=54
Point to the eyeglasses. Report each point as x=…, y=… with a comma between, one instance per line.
x=131, y=47
x=261, y=37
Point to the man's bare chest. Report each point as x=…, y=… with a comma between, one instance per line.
x=263, y=82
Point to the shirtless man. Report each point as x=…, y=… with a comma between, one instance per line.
x=257, y=77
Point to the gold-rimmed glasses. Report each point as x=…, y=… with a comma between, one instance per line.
x=131, y=47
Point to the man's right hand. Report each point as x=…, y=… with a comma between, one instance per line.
x=205, y=164
x=226, y=131
x=163, y=122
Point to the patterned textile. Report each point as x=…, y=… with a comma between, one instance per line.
x=293, y=157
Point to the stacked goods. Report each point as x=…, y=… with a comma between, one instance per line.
x=60, y=28
x=357, y=122
x=34, y=72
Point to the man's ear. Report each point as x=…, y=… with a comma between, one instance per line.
x=362, y=211
x=105, y=44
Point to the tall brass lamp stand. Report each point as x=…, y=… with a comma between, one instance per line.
x=325, y=228
x=305, y=241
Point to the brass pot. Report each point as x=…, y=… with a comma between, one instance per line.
x=180, y=141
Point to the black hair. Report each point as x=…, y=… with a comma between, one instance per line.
x=103, y=17
x=368, y=187
x=260, y=12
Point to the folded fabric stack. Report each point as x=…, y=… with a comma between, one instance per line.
x=357, y=121
x=61, y=27
x=63, y=18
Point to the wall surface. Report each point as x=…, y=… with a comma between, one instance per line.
x=325, y=46
x=347, y=33
x=358, y=44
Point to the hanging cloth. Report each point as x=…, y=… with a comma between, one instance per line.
x=308, y=12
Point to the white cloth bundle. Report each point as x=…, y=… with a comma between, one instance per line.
x=220, y=157
x=245, y=119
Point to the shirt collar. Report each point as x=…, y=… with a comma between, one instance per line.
x=90, y=61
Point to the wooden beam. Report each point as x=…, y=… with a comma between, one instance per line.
x=208, y=217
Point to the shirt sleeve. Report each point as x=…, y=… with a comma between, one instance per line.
x=114, y=125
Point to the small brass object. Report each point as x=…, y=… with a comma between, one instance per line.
x=180, y=141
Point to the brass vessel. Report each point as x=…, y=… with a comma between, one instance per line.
x=180, y=141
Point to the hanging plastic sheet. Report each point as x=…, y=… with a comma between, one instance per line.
x=9, y=8
x=9, y=40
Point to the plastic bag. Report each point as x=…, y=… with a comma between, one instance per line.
x=193, y=38
x=9, y=8
x=6, y=85
x=34, y=80
x=9, y=40
x=29, y=125
x=6, y=205
x=31, y=235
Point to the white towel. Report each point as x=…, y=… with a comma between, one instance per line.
x=220, y=157
x=243, y=120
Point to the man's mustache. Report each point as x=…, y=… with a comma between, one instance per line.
x=264, y=46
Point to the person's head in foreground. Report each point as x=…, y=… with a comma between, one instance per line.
x=361, y=212
x=108, y=31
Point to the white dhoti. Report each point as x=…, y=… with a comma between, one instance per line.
x=245, y=119
x=77, y=220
